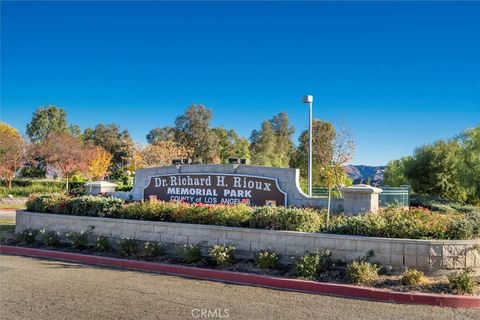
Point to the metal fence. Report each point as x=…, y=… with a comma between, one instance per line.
x=394, y=196
x=319, y=192
x=323, y=192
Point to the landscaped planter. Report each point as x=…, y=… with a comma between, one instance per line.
x=432, y=256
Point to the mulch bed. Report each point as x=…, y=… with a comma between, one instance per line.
x=336, y=274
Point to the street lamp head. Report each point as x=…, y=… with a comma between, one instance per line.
x=307, y=99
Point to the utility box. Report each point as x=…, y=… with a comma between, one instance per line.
x=100, y=187
x=360, y=199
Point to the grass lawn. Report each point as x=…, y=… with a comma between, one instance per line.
x=12, y=206
x=6, y=226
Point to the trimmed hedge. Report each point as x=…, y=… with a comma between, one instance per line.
x=291, y=219
x=278, y=218
x=390, y=223
x=410, y=224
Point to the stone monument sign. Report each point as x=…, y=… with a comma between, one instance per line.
x=239, y=183
x=215, y=188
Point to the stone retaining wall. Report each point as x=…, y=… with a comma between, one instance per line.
x=433, y=256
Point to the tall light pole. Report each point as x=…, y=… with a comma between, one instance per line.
x=309, y=99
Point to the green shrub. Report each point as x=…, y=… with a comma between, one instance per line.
x=441, y=205
x=102, y=244
x=26, y=187
x=28, y=236
x=222, y=254
x=233, y=216
x=151, y=250
x=399, y=223
x=125, y=188
x=127, y=247
x=393, y=222
x=312, y=264
x=267, y=259
x=96, y=206
x=191, y=253
x=78, y=240
x=50, y=238
x=48, y=203
x=149, y=210
x=83, y=206
x=412, y=277
x=466, y=226
x=362, y=272
x=462, y=281
x=292, y=219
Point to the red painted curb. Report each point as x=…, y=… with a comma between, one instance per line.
x=341, y=290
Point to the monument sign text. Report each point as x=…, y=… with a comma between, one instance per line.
x=216, y=189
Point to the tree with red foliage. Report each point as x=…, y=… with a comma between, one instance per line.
x=65, y=154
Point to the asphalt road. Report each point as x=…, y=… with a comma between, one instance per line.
x=44, y=289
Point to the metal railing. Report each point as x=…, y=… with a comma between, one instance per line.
x=394, y=196
x=319, y=192
x=323, y=192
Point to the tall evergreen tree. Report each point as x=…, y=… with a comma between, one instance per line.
x=231, y=145
x=263, y=145
x=470, y=170
x=283, y=137
x=276, y=132
x=322, y=152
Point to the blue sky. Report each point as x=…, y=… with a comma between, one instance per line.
x=398, y=74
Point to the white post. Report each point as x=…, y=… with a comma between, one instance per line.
x=328, y=206
x=309, y=99
x=310, y=147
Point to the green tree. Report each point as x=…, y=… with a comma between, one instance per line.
x=394, y=175
x=272, y=145
x=46, y=120
x=447, y=168
x=470, y=170
x=263, y=144
x=75, y=131
x=161, y=134
x=115, y=141
x=231, y=145
x=283, y=136
x=322, y=152
x=241, y=148
x=435, y=170
x=192, y=131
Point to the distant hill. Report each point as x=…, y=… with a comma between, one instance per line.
x=361, y=174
